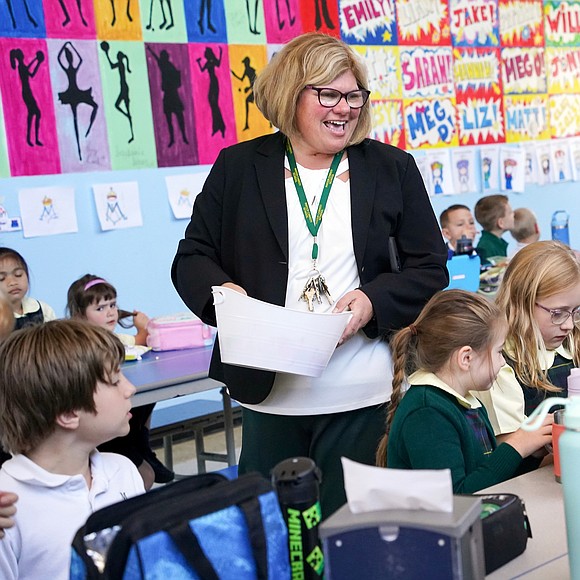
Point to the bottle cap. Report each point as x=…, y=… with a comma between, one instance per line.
x=464, y=245
x=296, y=478
x=574, y=382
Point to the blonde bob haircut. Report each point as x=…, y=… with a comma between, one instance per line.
x=310, y=59
x=539, y=270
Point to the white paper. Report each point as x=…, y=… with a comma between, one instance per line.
x=118, y=205
x=463, y=163
x=182, y=191
x=370, y=488
x=47, y=211
x=441, y=174
x=512, y=162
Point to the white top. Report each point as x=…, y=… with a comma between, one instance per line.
x=359, y=373
x=51, y=508
x=31, y=305
x=126, y=339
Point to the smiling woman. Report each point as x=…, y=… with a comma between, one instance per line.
x=301, y=219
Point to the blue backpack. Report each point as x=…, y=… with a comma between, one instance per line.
x=201, y=527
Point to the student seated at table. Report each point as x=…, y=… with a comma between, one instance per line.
x=454, y=347
x=62, y=394
x=496, y=217
x=7, y=500
x=457, y=222
x=6, y=327
x=14, y=280
x=526, y=229
x=540, y=294
x=94, y=299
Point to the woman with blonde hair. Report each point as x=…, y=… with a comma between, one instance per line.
x=540, y=294
x=253, y=230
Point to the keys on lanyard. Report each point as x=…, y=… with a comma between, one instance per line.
x=314, y=289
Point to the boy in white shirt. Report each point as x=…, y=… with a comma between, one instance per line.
x=62, y=394
x=457, y=221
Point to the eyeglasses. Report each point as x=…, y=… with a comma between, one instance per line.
x=331, y=97
x=560, y=316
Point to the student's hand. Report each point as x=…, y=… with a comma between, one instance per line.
x=235, y=287
x=362, y=311
x=7, y=510
x=140, y=320
x=532, y=442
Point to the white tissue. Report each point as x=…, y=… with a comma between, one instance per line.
x=371, y=488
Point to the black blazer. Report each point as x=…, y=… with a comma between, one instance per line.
x=239, y=233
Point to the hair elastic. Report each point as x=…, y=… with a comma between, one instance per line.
x=94, y=283
x=413, y=329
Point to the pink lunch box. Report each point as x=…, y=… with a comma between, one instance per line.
x=178, y=331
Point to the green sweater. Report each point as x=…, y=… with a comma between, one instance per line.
x=490, y=245
x=430, y=431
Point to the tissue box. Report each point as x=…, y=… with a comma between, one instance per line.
x=177, y=332
x=406, y=544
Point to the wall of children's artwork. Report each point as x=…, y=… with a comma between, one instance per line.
x=115, y=84
x=111, y=112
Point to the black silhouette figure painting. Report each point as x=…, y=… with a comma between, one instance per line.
x=26, y=9
x=66, y=14
x=250, y=74
x=211, y=63
x=172, y=103
x=70, y=61
x=205, y=10
x=123, y=98
x=281, y=21
x=127, y=11
x=321, y=11
x=26, y=73
x=163, y=5
x=252, y=15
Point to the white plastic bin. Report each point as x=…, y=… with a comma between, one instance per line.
x=259, y=335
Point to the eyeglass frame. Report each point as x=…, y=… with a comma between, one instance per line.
x=344, y=96
x=555, y=311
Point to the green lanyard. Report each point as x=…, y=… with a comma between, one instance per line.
x=313, y=225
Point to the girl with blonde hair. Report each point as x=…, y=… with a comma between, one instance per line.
x=540, y=294
x=454, y=347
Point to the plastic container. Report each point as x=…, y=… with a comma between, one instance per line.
x=560, y=229
x=257, y=334
x=178, y=332
x=569, y=448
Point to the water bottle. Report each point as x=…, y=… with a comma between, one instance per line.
x=297, y=481
x=560, y=226
x=464, y=245
x=574, y=383
x=569, y=446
